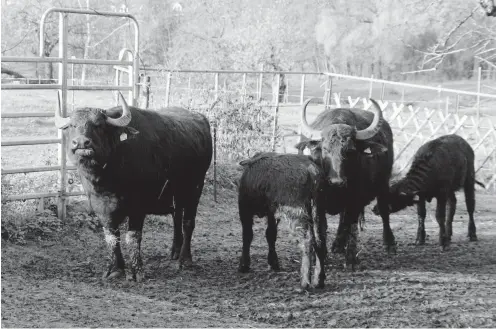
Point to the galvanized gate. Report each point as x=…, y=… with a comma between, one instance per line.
x=63, y=61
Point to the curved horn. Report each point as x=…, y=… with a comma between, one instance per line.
x=60, y=121
x=125, y=118
x=374, y=127
x=304, y=121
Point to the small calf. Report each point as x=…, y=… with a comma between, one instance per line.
x=271, y=180
x=439, y=169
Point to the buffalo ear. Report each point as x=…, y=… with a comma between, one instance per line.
x=311, y=144
x=373, y=148
x=128, y=133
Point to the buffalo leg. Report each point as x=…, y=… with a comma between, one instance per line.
x=387, y=233
x=451, y=207
x=133, y=240
x=189, y=225
x=271, y=236
x=306, y=246
x=246, y=217
x=112, y=234
x=470, y=201
x=339, y=243
x=441, y=218
x=320, y=247
x=178, y=232
x=421, y=213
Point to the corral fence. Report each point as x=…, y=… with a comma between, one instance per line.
x=415, y=118
x=128, y=65
x=433, y=112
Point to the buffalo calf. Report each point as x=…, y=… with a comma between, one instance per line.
x=439, y=169
x=272, y=180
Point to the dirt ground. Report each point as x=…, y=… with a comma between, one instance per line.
x=56, y=281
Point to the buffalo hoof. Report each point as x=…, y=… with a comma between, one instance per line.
x=185, y=263
x=137, y=277
x=274, y=265
x=110, y=275
x=244, y=268
x=175, y=253
x=390, y=248
x=337, y=247
x=472, y=237
x=420, y=242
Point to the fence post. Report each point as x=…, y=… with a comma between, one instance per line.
x=168, y=88
x=260, y=81
x=479, y=77
x=286, y=93
x=457, y=106
x=439, y=97
x=447, y=106
x=72, y=82
x=383, y=90
x=147, y=91
x=215, y=159
x=327, y=100
x=403, y=95
x=216, y=86
x=302, y=89
x=62, y=76
x=276, y=110
x=243, y=88
x=370, y=86
x=190, y=94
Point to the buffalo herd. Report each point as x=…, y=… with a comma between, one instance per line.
x=133, y=162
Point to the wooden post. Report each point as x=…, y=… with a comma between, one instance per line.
x=439, y=97
x=371, y=84
x=168, y=88
x=446, y=108
x=328, y=93
x=216, y=86
x=457, y=106
x=403, y=95
x=276, y=110
x=147, y=91
x=383, y=90
x=215, y=159
x=260, y=82
x=479, y=77
x=302, y=89
x=243, y=88
x=62, y=77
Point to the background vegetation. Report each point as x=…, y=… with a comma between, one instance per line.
x=381, y=37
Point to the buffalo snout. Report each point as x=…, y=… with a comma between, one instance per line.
x=81, y=142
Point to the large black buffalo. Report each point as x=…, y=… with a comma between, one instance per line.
x=440, y=167
x=135, y=162
x=270, y=181
x=356, y=154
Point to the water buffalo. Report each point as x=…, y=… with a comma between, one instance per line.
x=356, y=153
x=440, y=168
x=295, y=182
x=135, y=162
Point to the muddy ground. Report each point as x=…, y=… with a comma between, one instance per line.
x=56, y=281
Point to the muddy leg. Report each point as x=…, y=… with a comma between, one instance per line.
x=112, y=234
x=421, y=213
x=320, y=247
x=470, y=201
x=451, y=206
x=246, y=217
x=352, y=247
x=133, y=240
x=441, y=218
x=387, y=233
x=178, y=232
x=339, y=243
x=306, y=246
x=271, y=236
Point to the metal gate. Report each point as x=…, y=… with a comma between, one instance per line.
x=63, y=61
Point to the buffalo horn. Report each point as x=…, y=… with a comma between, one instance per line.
x=60, y=121
x=374, y=127
x=304, y=121
x=125, y=118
